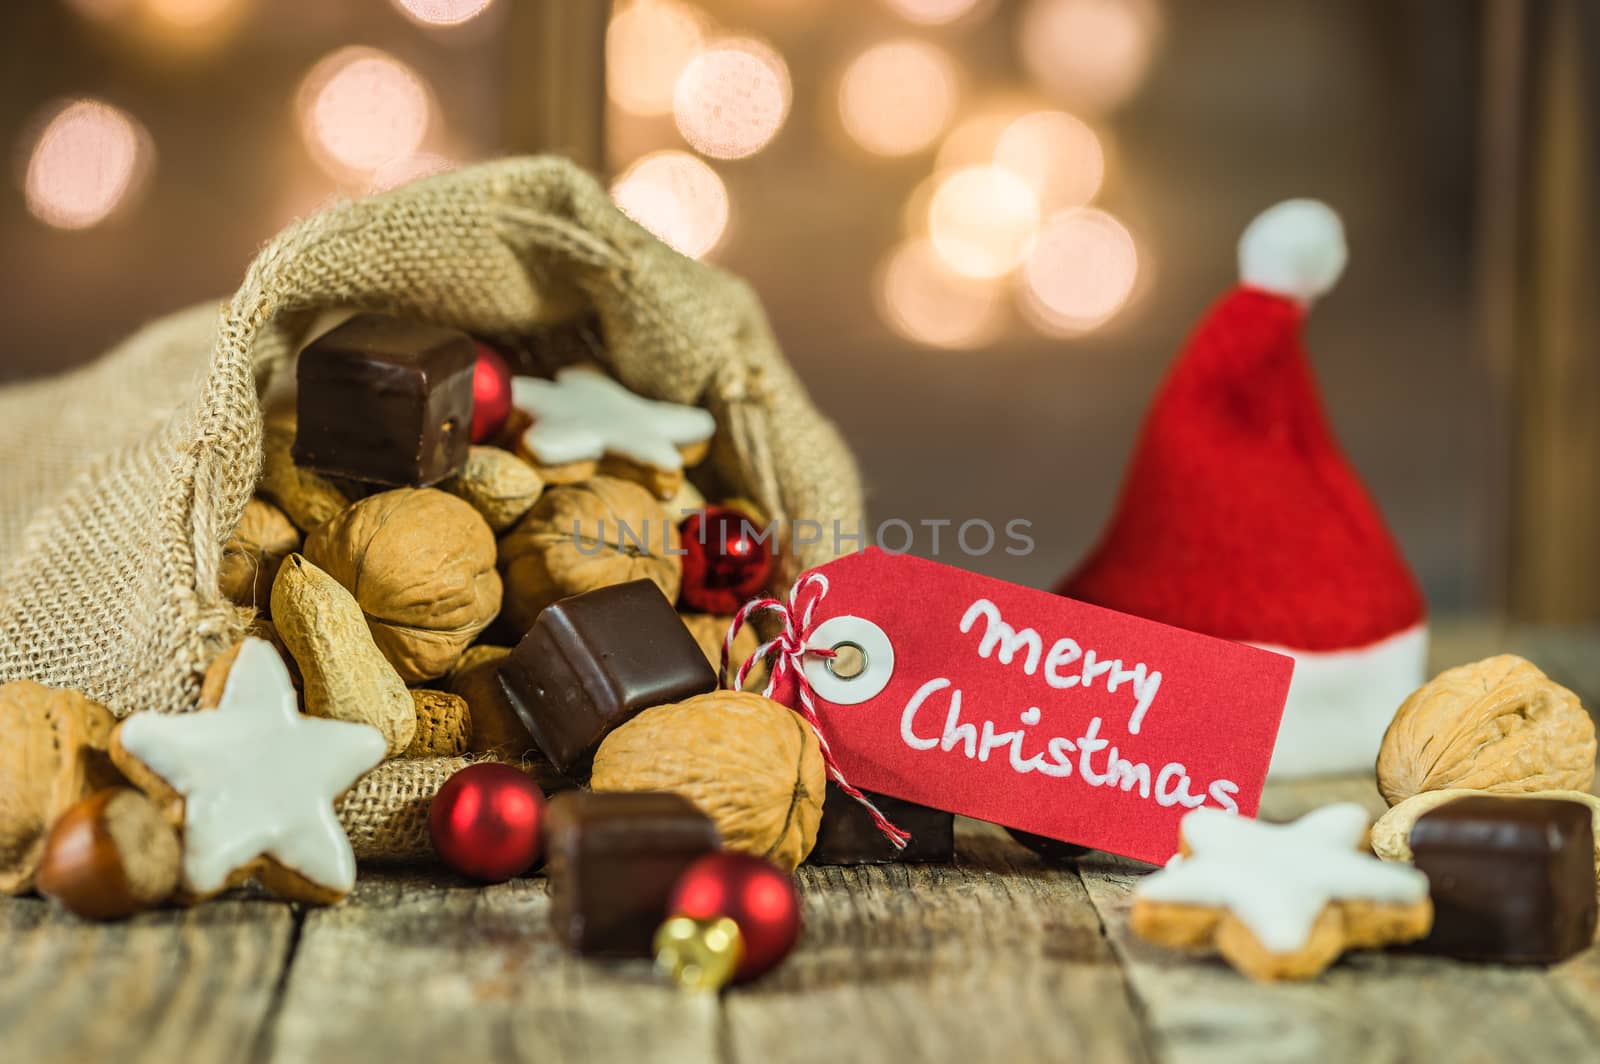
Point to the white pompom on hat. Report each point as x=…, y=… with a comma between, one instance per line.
x=1241, y=516
x=1295, y=249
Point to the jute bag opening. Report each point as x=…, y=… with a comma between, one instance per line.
x=125, y=479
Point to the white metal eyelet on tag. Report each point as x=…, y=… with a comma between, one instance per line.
x=876, y=660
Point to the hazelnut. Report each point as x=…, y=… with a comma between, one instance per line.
x=109, y=856
x=498, y=484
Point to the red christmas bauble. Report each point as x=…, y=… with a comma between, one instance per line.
x=726, y=562
x=754, y=894
x=491, y=393
x=487, y=822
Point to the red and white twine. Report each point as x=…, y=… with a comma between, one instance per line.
x=790, y=649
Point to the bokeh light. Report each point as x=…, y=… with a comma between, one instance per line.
x=442, y=12
x=648, y=45
x=1092, y=54
x=983, y=220
x=975, y=138
x=897, y=97
x=89, y=159
x=189, y=15
x=104, y=9
x=732, y=98
x=926, y=302
x=936, y=12
x=1057, y=154
x=678, y=198
x=404, y=171
x=172, y=26
x=1081, y=271
x=362, y=109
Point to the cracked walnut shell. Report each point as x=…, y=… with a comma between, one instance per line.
x=585, y=536
x=54, y=754
x=748, y=763
x=1496, y=725
x=421, y=564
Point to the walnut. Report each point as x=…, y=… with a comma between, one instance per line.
x=1496, y=725
x=421, y=564
x=583, y=536
x=250, y=560
x=748, y=763
x=54, y=753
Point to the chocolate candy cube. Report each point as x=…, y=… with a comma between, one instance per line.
x=386, y=401
x=612, y=861
x=847, y=835
x=593, y=661
x=1512, y=879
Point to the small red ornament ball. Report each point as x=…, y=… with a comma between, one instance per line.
x=491, y=393
x=726, y=562
x=487, y=822
x=754, y=894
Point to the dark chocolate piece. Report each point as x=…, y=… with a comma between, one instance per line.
x=612, y=861
x=1512, y=879
x=848, y=836
x=386, y=401
x=593, y=661
x=1050, y=849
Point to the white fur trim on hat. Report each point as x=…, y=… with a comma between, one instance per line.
x=1341, y=703
x=1295, y=249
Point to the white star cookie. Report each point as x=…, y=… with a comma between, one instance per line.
x=1281, y=901
x=252, y=783
x=583, y=422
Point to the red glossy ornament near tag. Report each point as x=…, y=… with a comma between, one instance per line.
x=1035, y=711
x=726, y=560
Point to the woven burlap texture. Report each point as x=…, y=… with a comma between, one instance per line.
x=124, y=480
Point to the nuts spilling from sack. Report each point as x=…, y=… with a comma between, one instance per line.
x=448, y=559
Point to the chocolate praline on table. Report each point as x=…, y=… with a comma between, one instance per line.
x=592, y=662
x=1512, y=879
x=847, y=835
x=384, y=400
x=613, y=860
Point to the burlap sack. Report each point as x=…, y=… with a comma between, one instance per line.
x=122, y=481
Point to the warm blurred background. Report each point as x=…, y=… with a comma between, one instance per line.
x=982, y=227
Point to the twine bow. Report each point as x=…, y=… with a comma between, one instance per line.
x=790, y=650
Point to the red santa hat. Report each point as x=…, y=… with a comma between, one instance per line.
x=1242, y=518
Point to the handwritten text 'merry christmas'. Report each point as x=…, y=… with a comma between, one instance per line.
x=1066, y=665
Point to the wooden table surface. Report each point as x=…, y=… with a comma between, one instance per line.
x=997, y=957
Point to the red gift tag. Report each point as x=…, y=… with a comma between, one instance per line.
x=1035, y=711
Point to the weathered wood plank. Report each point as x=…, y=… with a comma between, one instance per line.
x=996, y=958
x=185, y=985
x=1371, y=1007
x=412, y=969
